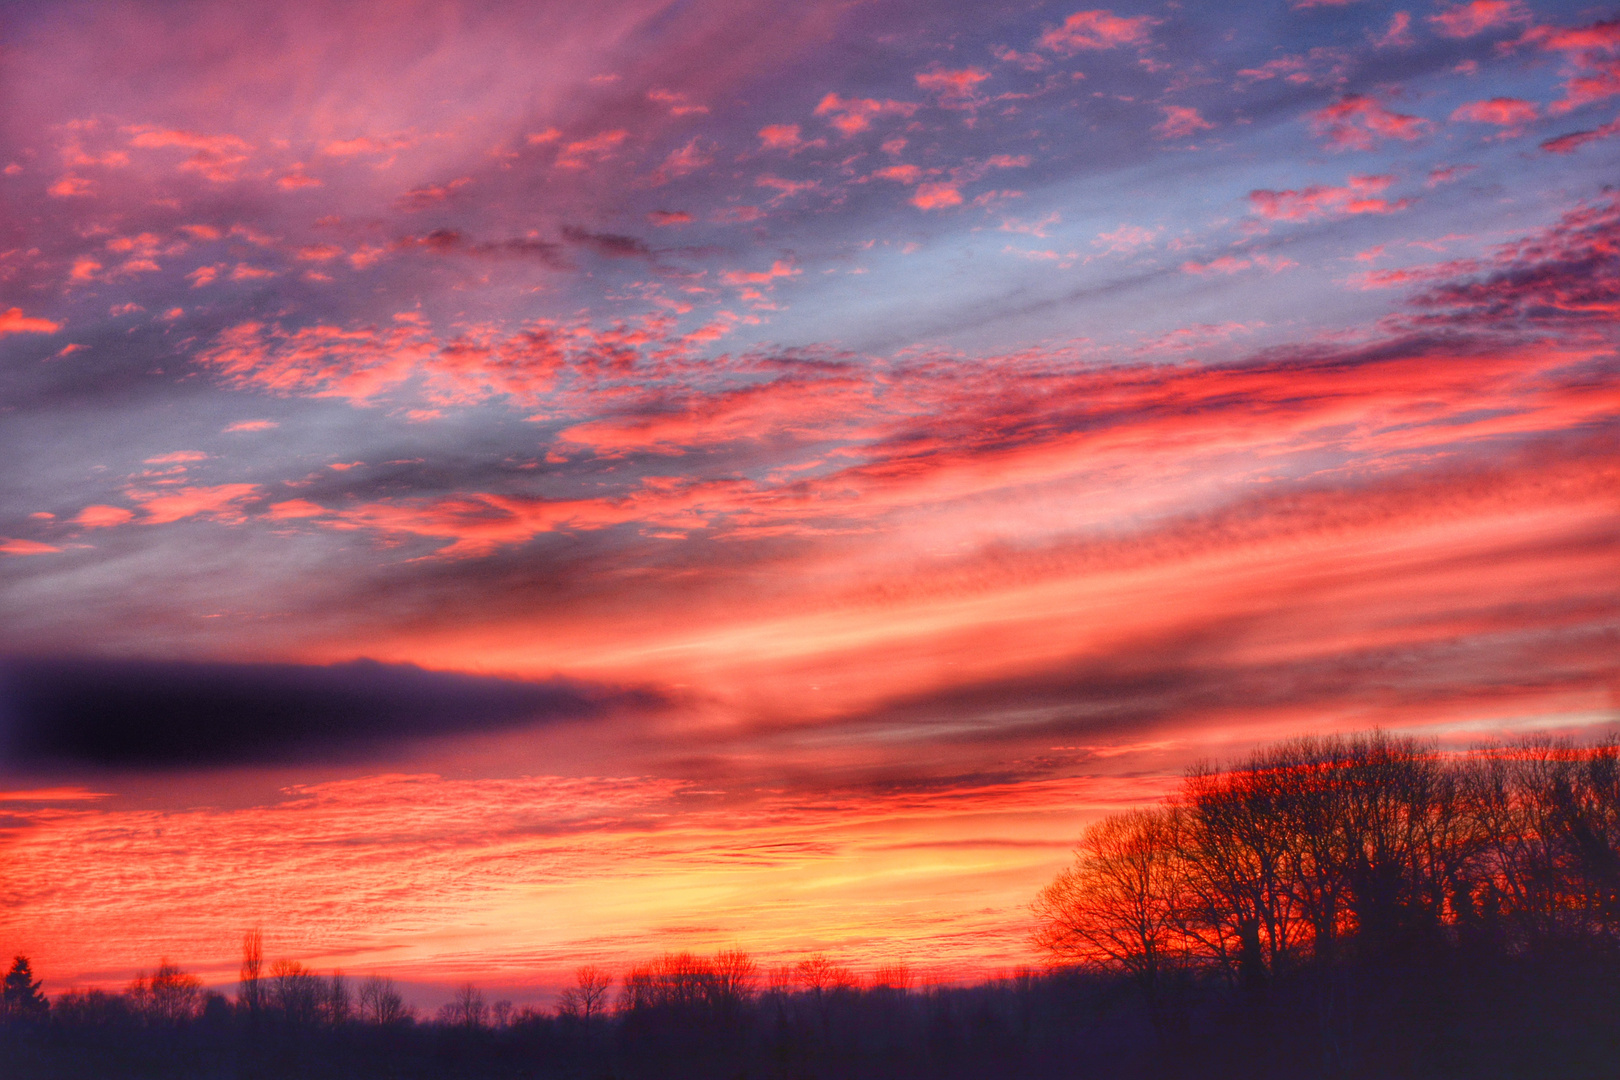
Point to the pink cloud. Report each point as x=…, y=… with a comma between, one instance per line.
x=1357, y=122
x=103, y=517
x=1358, y=196
x=667, y=218
x=955, y=88
x=695, y=155
x=1180, y=121
x=251, y=425
x=1097, y=30
x=779, y=136
x=217, y=158
x=1593, y=53
x=13, y=321
x=904, y=174
x=1504, y=112
x=1477, y=16
x=936, y=196
x=1568, y=144
x=853, y=115
x=582, y=153
x=779, y=269
x=25, y=547
x=1226, y=264
x=294, y=509
x=220, y=502
x=1398, y=35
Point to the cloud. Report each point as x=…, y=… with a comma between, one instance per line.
x=165, y=714
x=1357, y=122
x=13, y=321
x=1180, y=121
x=955, y=88
x=854, y=115
x=218, y=502
x=217, y=158
x=582, y=153
x=1097, y=30
x=1477, y=16
x=1568, y=144
x=1567, y=274
x=1593, y=55
x=103, y=517
x=936, y=196
x=9, y=546
x=1359, y=195
x=1504, y=112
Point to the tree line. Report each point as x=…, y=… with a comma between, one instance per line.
x=1327, y=907
x=1327, y=849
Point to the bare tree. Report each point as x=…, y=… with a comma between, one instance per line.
x=380, y=1001
x=167, y=996
x=296, y=992
x=587, y=999
x=466, y=1009
x=1117, y=905
x=250, y=992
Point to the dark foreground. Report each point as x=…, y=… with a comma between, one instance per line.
x=1441, y=1015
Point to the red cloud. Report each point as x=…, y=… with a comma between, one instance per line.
x=1477, y=16
x=665, y=218
x=1097, y=30
x=13, y=321
x=1356, y=122
x=1358, y=196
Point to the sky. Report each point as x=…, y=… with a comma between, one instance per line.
x=493, y=487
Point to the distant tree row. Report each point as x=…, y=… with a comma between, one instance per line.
x=1327, y=849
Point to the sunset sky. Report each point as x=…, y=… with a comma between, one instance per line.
x=497, y=486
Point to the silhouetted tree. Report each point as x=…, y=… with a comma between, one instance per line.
x=381, y=1002
x=168, y=996
x=19, y=994
x=587, y=999
x=249, y=990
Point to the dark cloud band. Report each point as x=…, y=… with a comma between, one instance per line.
x=162, y=714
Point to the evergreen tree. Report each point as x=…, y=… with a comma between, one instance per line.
x=19, y=994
